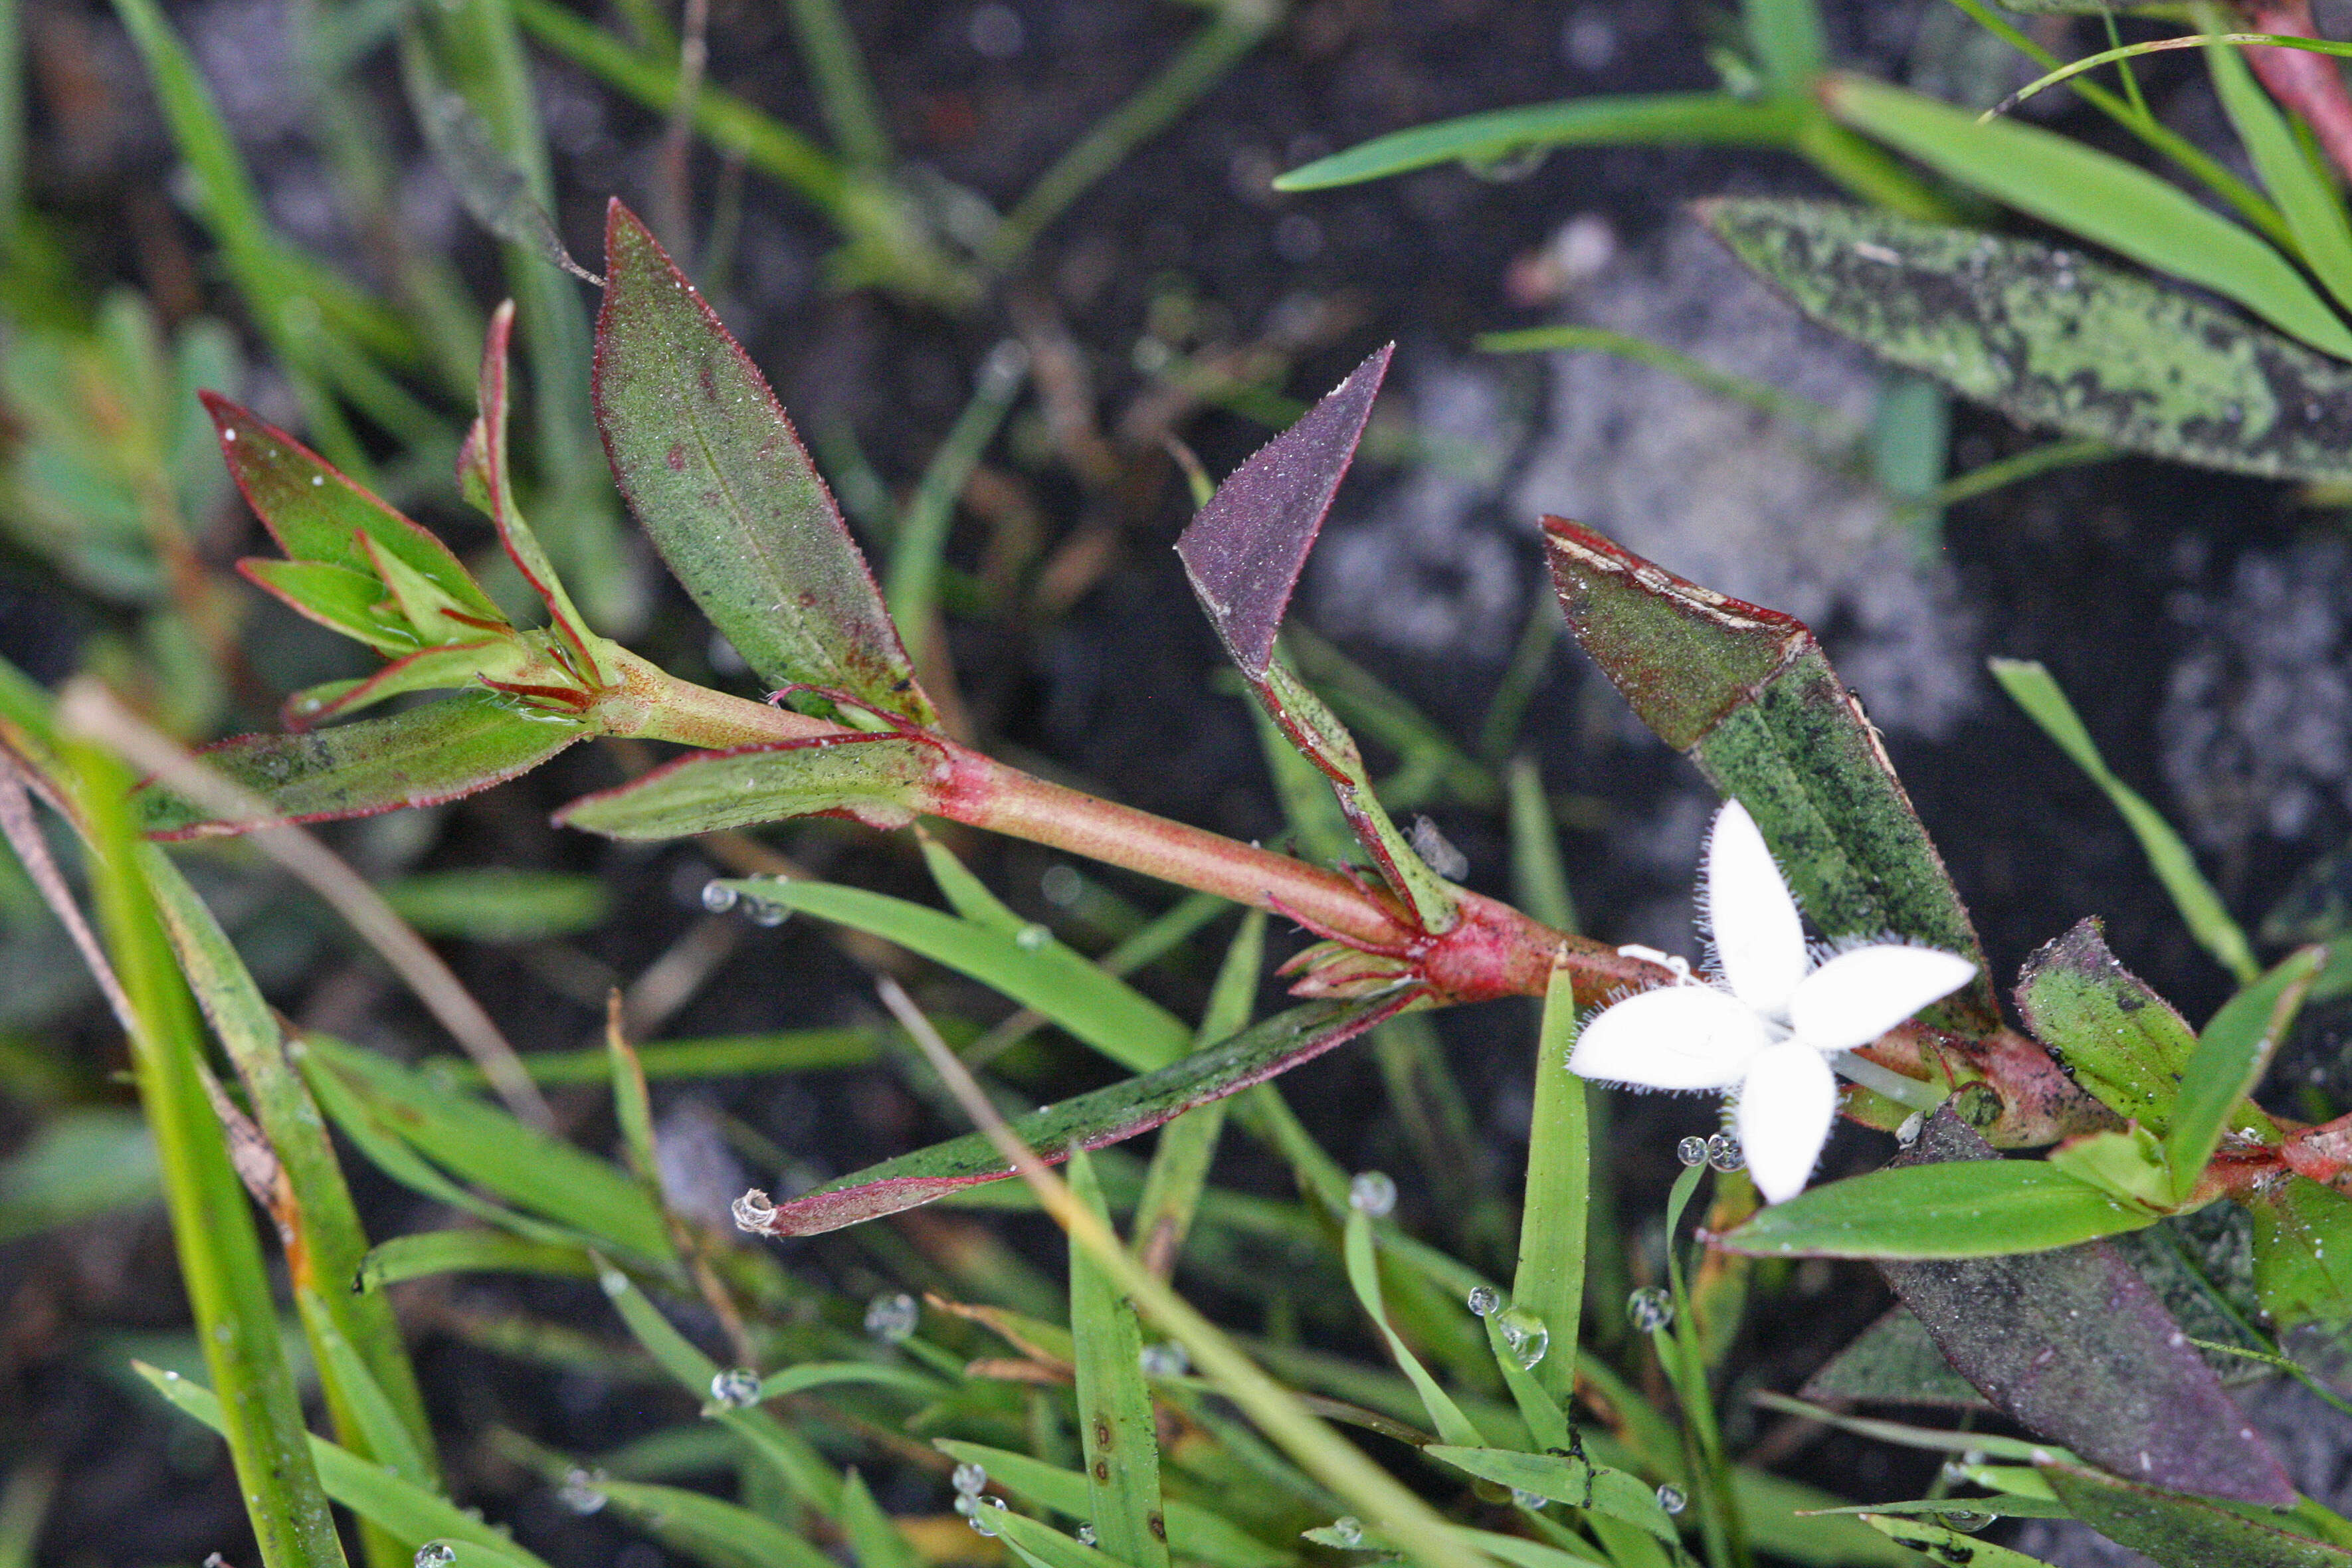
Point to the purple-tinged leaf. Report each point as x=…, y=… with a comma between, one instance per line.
x=2184, y=1531
x=882, y=781
x=1245, y=550
x=723, y=486
x=316, y=514
x=483, y=474
x=2114, y=1035
x=417, y=758
x=1087, y=1121
x=2075, y=1345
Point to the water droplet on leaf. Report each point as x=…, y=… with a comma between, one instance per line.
x=436, y=1555
x=1348, y=1530
x=579, y=1492
x=1373, y=1194
x=1692, y=1151
x=1671, y=1498
x=1086, y=1536
x=737, y=1388
x=1032, y=937
x=1525, y=1335
x=1724, y=1153
x=719, y=897
x=1484, y=1301
x=1166, y=1359
x=1650, y=1310
x=891, y=1317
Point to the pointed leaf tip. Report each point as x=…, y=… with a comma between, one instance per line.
x=713, y=468
x=1245, y=550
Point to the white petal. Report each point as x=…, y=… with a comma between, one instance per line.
x=1678, y=1037
x=1786, y=1107
x=1759, y=940
x=1857, y=996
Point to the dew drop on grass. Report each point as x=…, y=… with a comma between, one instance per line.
x=1032, y=936
x=1484, y=1301
x=1525, y=1335
x=760, y=912
x=436, y=1555
x=579, y=1492
x=1166, y=1359
x=1724, y=1153
x=1373, y=1194
x=1649, y=1311
x=1086, y=1536
x=737, y=1388
x=1691, y=1151
x=1671, y=1498
x=891, y=1317
x=969, y=1480
x=1348, y=1530
x=981, y=1523
x=719, y=897
x=1909, y=1132
x=1532, y=1502
x=1967, y=1520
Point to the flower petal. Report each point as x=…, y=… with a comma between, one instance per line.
x=1786, y=1107
x=1678, y=1037
x=1857, y=996
x=1759, y=941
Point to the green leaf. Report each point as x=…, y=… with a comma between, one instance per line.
x=1989, y=1208
x=793, y=1458
x=2233, y=1054
x=1787, y=41
x=408, y=1512
x=2108, y=1030
x=882, y=781
x=1364, y=1277
x=355, y=603
x=1088, y=1121
x=2130, y=1167
x=2307, y=199
x=213, y=1229
x=489, y=1147
x=387, y=1437
x=1500, y=135
x=1557, y=1214
x=316, y=514
x=422, y=757
x=1042, y=1546
x=429, y=1252
x=2030, y=687
x=80, y=1163
x=1566, y=1478
x=1940, y=1543
x=2183, y=1531
x=2054, y=338
x=710, y=1530
x=500, y=903
x=1100, y=1009
x=2303, y=1252
x=447, y=666
x=1115, y=1429
x=715, y=473
x=2076, y=1346
x=2096, y=195
x=1747, y=695
x=1194, y=1532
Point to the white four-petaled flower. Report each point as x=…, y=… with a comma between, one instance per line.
x=1772, y=1019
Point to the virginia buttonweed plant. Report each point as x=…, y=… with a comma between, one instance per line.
x=1126, y=1426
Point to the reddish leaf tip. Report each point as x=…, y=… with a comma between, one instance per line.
x=1245, y=549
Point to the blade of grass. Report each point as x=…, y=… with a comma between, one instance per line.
x=2231, y=1054
x=1530, y=662
x=1788, y=42
x=1551, y=1279
x=2310, y=201
x=409, y=1513
x=1198, y=65
x=1539, y=881
x=1417, y=1529
x=1115, y=1421
x=1680, y=1355
x=911, y=586
x=429, y=1252
x=844, y=91
x=212, y=1225
x=2030, y=685
x=388, y=1440
x=232, y=210
x=874, y=1541
x=2249, y=202
x=2098, y=196
x=91, y=708
x=1179, y=1164
x=716, y=1056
